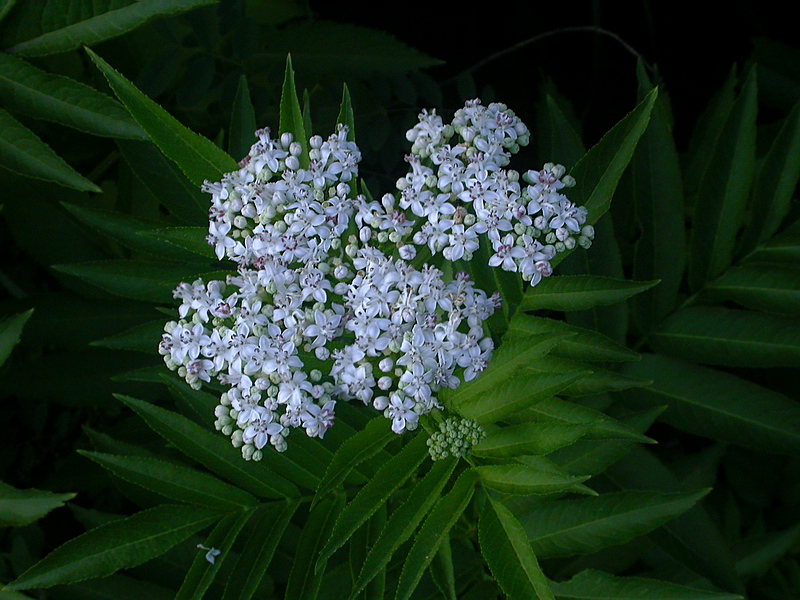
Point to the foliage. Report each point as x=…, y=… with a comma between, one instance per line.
x=678, y=326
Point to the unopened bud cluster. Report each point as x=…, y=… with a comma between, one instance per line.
x=455, y=438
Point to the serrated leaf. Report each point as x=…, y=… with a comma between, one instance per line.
x=346, y=116
x=71, y=32
x=394, y=473
x=587, y=525
x=719, y=405
x=579, y=292
x=212, y=451
x=118, y=545
x=404, y=521
x=201, y=402
x=152, y=281
x=363, y=445
x=721, y=336
x=203, y=570
x=22, y=152
x=597, y=585
x=174, y=481
x=509, y=554
x=529, y=438
x=22, y=507
x=10, y=332
x=291, y=114
x=599, y=171
x=724, y=190
x=766, y=286
x=436, y=527
x=29, y=90
x=582, y=344
x=308, y=566
x=267, y=525
x=443, y=572
x=199, y=158
x=526, y=480
x=657, y=194
x=191, y=239
x=142, y=338
x=241, y=132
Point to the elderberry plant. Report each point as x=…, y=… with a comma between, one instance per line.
x=332, y=300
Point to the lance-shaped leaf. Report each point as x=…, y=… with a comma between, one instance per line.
x=199, y=401
x=29, y=90
x=75, y=28
x=10, y=332
x=582, y=344
x=346, y=116
x=736, y=338
x=404, y=521
x=579, y=292
x=198, y=157
x=22, y=507
x=364, y=444
x=120, y=544
x=22, y=152
x=267, y=525
x=308, y=566
x=241, y=133
x=394, y=473
x=529, y=438
x=724, y=190
x=174, y=481
x=760, y=285
x=598, y=172
x=718, y=405
x=191, y=239
x=509, y=554
x=436, y=527
x=525, y=480
x=209, y=559
x=213, y=451
x=142, y=338
x=291, y=115
x=558, y=140
x=597, y=585
x=443, y=572
x=587, y=525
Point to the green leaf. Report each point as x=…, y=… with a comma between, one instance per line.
x=266, y=529
x=579, y=292
x=582, y=344
x=509, y=554
x=529, y=438
x=597, y=585
x=29, y=90
x=724, y=190
x=598, y=172
x=587, y=525
x=10, y=332
x=346, y=116
x=98, y=26
x=775, y=184
x=721, y=336
x=22, y=152
x=214, y=451
x=376, y=492
x=191, y=239
x=760, y=285
x=657, y=193
x=174, y=481
x=436, y=527
x=558, y=140
x=5, y=8
x=243, y=121
x=404, y=521
x=118, y=545
x=152, y=281
x=442, y=570
x=719, y=405
x=142, y=338
x=526, y=480
x=199, y=158
x=202, y=572
x=291, y=115
x=363, y=445
x=759, y=553
x=305, y=578
x=22, y=507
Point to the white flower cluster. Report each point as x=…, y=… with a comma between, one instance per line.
x=316, y=314
x=457, y=190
